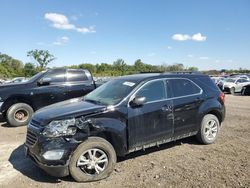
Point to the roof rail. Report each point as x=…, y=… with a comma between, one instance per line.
x=183, y=72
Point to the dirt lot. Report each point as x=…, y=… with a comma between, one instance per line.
x=180, y=164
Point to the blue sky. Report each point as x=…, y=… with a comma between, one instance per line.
x=212, y=34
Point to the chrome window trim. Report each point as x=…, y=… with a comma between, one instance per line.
x=171, y=98
x=131, y=94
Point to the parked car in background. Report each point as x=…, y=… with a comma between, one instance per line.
x=246, y=77
x=18, y=101
x=216, y=79
x=245, y=90
x=84, y=137
x=233, y=85
x=2, y=81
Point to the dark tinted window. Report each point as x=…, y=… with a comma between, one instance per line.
x=153, y=91
x=182, y=87
x=76, y=75
x=243, y=80
x=56, y=75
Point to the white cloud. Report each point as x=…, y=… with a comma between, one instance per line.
x=61, y=41
x=90, y=29
x=60, y=21
x=170, y=47
x=181, y=37
x=199, y=37
x=184, y=37
x=190, y=55
x=204, y=58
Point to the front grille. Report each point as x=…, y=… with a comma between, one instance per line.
x=31, y=138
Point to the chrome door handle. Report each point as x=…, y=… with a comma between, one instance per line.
x=167, y=108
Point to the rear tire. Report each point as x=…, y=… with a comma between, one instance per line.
x=82, y=165
x=209, y=129
x=19, y=114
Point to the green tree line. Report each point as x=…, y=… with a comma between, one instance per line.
x=11, y=67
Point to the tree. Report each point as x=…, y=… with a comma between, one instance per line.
x=88, y=66
x=120, y=66
x=43, y=57
x=139, y=66
x=10, y=66
x=29, y=69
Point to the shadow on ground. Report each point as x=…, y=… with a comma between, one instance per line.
x=29, y=169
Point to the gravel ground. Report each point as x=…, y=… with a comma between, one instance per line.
x=184, y=163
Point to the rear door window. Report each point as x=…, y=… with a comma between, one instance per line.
x=76, y=76
x=183, y=87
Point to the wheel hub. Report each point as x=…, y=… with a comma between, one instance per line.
x=93, y=161
x=21, y=115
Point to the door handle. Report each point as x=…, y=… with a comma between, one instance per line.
x=167, y=108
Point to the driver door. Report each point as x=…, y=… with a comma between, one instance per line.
x=153, y=121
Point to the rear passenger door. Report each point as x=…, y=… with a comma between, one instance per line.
x=187, y=97
x=78, y=83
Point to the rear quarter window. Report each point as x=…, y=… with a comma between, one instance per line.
x=183, y=87
x=207, y=84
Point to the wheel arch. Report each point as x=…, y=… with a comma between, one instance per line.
x=13, y=100
x=212, y=106
x=217, y=114
x=112, y=130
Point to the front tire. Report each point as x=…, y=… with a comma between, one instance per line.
x=93, y=160
x=232, y=90
x=209, y=129
x=19, y=114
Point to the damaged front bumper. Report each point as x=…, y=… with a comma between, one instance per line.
x=53, y=170
x=50, y=154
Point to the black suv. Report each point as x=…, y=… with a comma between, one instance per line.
x=18, y=101
x=83, y=137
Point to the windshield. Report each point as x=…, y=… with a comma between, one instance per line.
x=33, y=78
x=230, y=80
x=111, y=92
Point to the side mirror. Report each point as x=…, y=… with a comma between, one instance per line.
x=44, y=81
x=138, y=101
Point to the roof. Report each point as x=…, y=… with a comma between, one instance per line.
x=149, y=76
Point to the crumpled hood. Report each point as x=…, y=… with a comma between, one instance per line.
x=66, y=109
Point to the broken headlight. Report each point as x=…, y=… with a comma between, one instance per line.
x=60, y=128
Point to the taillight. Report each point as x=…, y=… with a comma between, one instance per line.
x=222, y=97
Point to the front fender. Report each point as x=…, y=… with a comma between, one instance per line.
x=113, y=130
